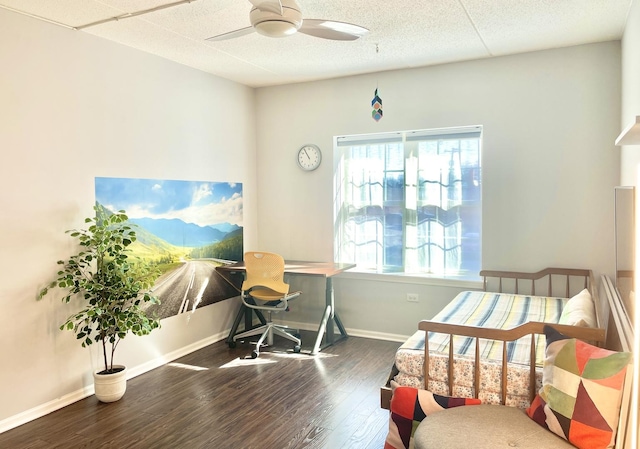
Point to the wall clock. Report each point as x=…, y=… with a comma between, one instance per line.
x=309, y=157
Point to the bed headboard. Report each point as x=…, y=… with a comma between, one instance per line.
x=560, y=282
x=563, y=282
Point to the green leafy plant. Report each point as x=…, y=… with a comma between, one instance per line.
x=113, y=285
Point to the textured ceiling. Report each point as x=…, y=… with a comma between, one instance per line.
x=408, y=33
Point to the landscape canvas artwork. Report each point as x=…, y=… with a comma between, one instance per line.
x=185, y=229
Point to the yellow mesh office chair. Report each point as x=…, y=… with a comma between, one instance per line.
x=264, y=289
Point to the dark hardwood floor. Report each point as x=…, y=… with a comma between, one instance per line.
x=280, y=400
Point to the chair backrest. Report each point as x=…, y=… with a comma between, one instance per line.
x=264, y=270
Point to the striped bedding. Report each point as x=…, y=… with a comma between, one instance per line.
x=485, y=309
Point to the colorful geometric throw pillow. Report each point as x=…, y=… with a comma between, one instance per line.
x=581, y=391
x=409, y=406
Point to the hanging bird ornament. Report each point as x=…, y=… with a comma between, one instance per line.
x=376, y=104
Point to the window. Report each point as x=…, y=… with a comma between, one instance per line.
x=409, y=202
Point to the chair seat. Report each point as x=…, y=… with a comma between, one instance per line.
x=266, y=294
x=484, y=427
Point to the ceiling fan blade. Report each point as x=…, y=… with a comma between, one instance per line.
x=329, y=29
x=231, y=34
x=273, y=6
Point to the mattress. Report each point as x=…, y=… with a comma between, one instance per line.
x=484, y=309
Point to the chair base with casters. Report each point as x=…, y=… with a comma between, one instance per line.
x=266, y=332
x=264, y=290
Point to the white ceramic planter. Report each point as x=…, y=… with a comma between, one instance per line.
x=110, y=387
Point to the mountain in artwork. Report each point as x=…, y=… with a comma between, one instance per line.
x=180, y=233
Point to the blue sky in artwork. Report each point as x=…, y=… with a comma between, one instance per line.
x=200, y=202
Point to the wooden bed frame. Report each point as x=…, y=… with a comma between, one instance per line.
x=615, y=332
x=561, y=282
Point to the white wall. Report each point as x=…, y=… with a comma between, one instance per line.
x=549, y=166
x=630, y=93
x=73, y=107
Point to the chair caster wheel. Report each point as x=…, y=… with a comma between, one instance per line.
x=296, y=349
x=254, y=354
x=232, y=344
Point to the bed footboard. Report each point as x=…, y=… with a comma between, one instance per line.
x=528, y=330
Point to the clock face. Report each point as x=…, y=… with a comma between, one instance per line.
x=309, y=157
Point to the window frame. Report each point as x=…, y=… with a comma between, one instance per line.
x=409, y=143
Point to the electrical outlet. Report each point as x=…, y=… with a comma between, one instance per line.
x=412, y=297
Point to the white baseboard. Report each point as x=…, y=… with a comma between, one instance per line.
x=56, y=404
x=166, y=358
x=44, y=409
x=353, y=332
x=377, y=335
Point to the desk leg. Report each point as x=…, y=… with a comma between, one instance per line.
x=247, y=313
x=321, y=330
x=343, y=332
x=326, y=325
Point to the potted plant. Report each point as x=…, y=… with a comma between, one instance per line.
x=114, y=288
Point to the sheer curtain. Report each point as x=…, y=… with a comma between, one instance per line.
x=438, y=225
x=400, y=198
x=360, y=201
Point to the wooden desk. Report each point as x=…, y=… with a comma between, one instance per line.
x=294, y=267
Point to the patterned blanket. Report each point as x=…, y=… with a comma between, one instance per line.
x=485, y=309
x=497, y=311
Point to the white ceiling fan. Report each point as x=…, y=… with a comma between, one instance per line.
x=281, y=18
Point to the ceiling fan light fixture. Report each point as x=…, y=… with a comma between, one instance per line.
x=272, y=24
x=276, y=28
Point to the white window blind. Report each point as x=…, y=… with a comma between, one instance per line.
x=410, y=201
